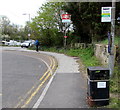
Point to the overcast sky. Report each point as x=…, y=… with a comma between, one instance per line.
x=14, y=9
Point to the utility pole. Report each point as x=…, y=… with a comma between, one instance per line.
x=111, y=55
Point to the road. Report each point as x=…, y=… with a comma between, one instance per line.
x=29, y=80
x=24, y=76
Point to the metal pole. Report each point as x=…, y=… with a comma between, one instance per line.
x=65, y=41
x=111, y=55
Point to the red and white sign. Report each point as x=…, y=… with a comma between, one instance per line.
x=65, y=36
x=66, y=18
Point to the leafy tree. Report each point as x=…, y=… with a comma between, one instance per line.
x=48, y=23
x=14, y=32
x=86, y=17
x=4, y=22
x=86, y=20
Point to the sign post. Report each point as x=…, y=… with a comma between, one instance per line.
x=66, y=18
x=108, y=15
x=111, y=56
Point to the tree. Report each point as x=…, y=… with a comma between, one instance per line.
x=4, y=22
x=48, y=23
x=86, y=17
x=86, y=20
x=12, y=31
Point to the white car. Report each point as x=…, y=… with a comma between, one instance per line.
x=11, y=43
x=27, y=43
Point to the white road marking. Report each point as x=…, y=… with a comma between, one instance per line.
x=44, y=92
x=47, y=65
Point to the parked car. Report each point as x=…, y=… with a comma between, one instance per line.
x=18, y=44
x=11, y=43
x=27, y=43
x=5, y=43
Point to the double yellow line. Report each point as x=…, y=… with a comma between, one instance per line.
x=49, y=72
x=43, y=79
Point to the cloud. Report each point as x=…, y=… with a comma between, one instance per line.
x=14, y=9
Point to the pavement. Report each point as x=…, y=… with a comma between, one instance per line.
x=67, y=86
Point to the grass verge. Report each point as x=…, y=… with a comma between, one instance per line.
x=116, y=40
x=86, y=55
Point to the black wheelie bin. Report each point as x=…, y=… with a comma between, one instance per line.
x=97, y=86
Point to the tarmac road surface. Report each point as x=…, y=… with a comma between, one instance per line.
x=21, y=77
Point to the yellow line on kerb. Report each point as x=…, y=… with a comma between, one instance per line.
x=47, y=70
x=25, y=96
x=35, y=92
x=52, y=66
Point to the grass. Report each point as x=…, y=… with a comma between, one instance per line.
x=115, y=89
x=114, y=103
x=115, y=81
x=116, y=40
x=86, y=55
